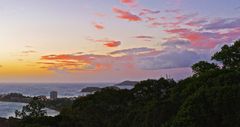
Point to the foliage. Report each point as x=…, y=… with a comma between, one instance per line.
x=214, y=107
x=58, y=104
x=34, y=109
x=203, y=67
x=229, y=56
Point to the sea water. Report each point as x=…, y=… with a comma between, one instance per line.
x=37, y=89
x=7, y=109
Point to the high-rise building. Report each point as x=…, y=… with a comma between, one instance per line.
x=53, y=95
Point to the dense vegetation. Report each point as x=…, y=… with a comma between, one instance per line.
x=209, y=98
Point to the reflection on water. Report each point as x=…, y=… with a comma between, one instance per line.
x=7, y=109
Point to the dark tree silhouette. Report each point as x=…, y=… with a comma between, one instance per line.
x=34, y=109
x=204, y=66
x=229, y=56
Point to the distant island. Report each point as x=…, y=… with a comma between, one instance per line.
x=91, y=89
x=115, y=86
x=15, y=97
x=127, y=83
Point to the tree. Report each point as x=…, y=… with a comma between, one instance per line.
x=152, y=89
x=34, y=109
x=211, y=107
x=204, y=66
x=229, y=56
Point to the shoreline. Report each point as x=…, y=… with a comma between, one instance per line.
x=9, y=111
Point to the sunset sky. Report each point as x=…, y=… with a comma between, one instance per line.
x=111, y=40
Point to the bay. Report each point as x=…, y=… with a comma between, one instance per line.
x=7, y=109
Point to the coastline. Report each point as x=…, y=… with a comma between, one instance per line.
x=8, y=109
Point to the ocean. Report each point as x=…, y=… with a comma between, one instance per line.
x=7, y=109
x=37, y=89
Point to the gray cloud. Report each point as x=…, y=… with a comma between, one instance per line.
x=223, y=24
x=174, y=43
x=144, y=37
x=169, y=60
x=133, y=51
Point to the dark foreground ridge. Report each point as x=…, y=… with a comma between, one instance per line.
x=209, y=98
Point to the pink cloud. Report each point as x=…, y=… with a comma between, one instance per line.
x=207, y=40
x=128, y=2
x=98, y=26
x=156, y=24
x=107, y=42
x=197, y=39
x=112, y=44
x=148, y=11
x=126, y=15
x=149, y=19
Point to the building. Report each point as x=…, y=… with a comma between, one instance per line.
x=53, y=95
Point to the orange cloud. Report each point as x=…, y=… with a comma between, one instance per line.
x=107, y=42
x=73, y=62
x=94, y=62
x=126, y=15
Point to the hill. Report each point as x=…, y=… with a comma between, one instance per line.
x=127, y=83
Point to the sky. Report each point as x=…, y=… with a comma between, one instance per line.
x=111, y=40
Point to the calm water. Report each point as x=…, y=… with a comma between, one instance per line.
x=36, y=89
x=7, y=109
